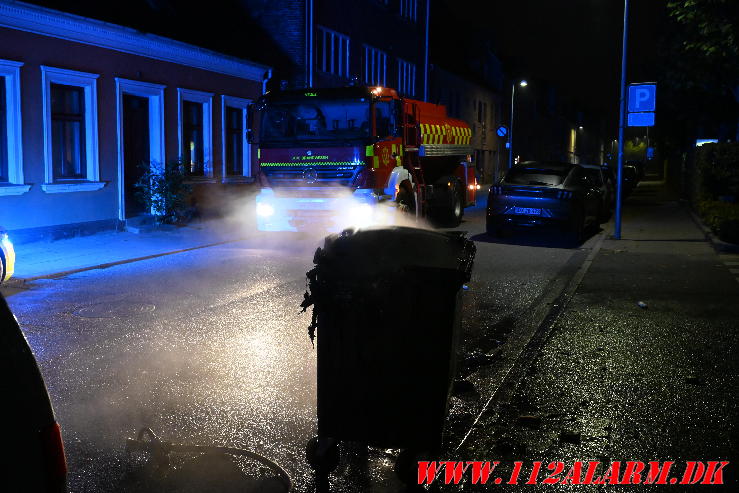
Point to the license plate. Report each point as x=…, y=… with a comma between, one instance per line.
x=528, y=211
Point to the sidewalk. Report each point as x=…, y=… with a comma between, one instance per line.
x=615, y=381
x=55, y=258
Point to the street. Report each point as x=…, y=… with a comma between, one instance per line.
x=209, y=347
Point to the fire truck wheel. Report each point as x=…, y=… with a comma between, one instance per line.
x=322, y=463
x=452, y=217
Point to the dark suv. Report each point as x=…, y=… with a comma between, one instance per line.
x=539, y=193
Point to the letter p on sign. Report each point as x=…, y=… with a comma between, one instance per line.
x=642, y=97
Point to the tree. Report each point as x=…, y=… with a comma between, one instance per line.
x=698, y=72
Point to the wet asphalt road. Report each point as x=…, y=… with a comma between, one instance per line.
x=209, y=347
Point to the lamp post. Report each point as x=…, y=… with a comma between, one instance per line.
x=522, y=83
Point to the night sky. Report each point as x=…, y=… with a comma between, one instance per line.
x=573, y=44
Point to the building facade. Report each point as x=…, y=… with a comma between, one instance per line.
x=483, y=109
x=331, y=43
x=83, y=103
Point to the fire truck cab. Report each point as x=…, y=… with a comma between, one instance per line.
x=356, y=156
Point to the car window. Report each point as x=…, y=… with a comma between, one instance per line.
x=535, y=176
x=594, y=176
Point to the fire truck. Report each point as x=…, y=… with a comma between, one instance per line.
x=357, y=156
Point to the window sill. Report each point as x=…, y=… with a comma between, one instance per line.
x=13, y=189
x=81, y=186
x=238, y=179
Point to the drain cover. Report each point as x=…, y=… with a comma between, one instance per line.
x=114, y=309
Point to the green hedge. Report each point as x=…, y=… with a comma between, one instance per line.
x=722, y=218
x=718, y=167
x=718, y=175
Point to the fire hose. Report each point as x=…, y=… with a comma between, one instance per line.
x=160, y=450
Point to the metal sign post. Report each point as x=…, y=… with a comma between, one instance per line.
x=621, y=115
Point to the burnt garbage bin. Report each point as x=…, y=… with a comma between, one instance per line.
x=386, y=314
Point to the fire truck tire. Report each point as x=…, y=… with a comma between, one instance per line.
x=322, y=463
x=453, y=212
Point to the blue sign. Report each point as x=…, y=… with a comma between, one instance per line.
x=642, y=97
x=502, y=131
x=645, y=119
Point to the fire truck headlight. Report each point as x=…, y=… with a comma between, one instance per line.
x=265, y=210
x=361, y=215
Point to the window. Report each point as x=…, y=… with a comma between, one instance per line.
x=409, y=9
x=70, y=131
x=236, y=149
x=375, y=66
x=196, y=132
x=4, y=176
x=11, y=155
x=332, y=52
x=406, y=78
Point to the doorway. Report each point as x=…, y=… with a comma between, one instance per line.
x=140, y=129
x=136, y=152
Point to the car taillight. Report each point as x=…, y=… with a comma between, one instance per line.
x=56, y=462
x=564, y=194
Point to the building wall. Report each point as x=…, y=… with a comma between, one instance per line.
x=380, y=25
x=376, y=23
x=482, y=109
x=284, y=23
x=36, y=208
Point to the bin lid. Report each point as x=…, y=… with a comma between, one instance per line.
x=385, y=249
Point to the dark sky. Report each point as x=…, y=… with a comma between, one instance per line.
x=574, y=44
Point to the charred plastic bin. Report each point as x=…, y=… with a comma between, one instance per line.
x=386, y=307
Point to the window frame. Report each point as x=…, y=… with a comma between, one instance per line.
x=325, y=63
x=408, y=9
x=88, y=83
x=243, y=105
x=406, y=77
x=11, y=77
x=206, y=99
x=376, y=55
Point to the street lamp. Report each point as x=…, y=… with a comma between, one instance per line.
x=521, y=83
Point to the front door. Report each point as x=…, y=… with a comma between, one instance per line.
x=135, y=150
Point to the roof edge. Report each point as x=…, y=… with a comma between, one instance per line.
x=48, y=22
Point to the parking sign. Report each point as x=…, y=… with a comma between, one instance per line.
x=642, y=97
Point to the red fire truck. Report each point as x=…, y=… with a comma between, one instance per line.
x=355, y=156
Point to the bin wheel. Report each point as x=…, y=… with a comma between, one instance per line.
x=322, y=454
x=406, y=465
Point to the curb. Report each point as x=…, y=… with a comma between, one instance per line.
x=718, y=245
x=21, y=281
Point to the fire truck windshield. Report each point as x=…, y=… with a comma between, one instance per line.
x=316, y=120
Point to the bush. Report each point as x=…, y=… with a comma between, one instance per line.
x=163, y=189
x=718, y=168
x=722, y=218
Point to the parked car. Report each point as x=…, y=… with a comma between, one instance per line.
x=35, y=460
x=7, y=256
x=537, y=193
x=630, y=179
x=610, y=179
x=639, y=166
x=599, y=178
